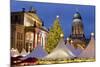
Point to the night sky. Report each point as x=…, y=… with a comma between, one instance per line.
x=48, y=12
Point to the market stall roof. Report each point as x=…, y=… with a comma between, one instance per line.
x=75, y=51
x=60, y=52
x=38, y=52
x=89, y=52
x=23, y=52
x=14, y=52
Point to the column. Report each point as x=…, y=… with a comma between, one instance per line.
x=35, y=40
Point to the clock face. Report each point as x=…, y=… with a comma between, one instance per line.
x=29, y=36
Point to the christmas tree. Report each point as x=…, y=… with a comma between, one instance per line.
x=54, y=35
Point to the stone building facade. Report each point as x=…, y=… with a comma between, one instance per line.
x=27, y=30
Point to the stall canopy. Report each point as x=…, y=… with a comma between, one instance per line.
x=60, y=52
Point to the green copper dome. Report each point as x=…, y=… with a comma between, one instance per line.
x=77, y=16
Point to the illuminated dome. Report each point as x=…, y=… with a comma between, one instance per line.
x=77, y=16
x=77, y=26
x=77, y=20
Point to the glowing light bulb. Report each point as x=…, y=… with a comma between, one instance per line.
x=61, y=35
x=71, y=41
x=92, y=34
x=67, y=38
x=57, y=16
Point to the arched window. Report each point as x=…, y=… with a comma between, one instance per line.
x=29, y=39
x=29, y=36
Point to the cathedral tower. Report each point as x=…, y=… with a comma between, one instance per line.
x=77, y=27
x=77, y=34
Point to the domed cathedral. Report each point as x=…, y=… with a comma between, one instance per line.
x=27, y=30
x=77, y=36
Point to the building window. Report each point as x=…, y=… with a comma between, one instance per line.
x=17, y=19
x=29, y=38
x=19, y=36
